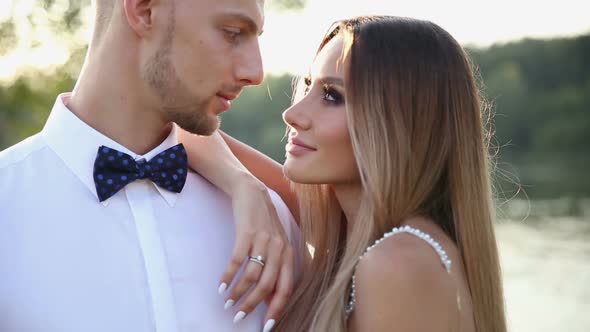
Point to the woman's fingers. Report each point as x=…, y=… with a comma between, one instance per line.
x=239, y=254
x=283, y=290
x=251, y=273
x=267, y=282
x=259, y=232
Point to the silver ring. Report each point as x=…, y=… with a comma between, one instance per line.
x=257, y=259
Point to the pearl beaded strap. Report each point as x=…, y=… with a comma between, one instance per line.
x=404, y=229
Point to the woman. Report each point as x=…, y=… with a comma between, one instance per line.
x=388, y=157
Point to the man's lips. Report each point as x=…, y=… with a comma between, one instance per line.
x=226, y=100
x=228, y=96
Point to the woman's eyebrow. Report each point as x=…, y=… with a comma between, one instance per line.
x=331, y=80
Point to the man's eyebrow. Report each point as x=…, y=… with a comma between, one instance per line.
x=251, y=25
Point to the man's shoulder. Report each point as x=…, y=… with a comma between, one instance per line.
x=282, y=209
x=21, y=151
x=285, y=216
x=291, y=229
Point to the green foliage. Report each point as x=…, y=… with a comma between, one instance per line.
x=25, y=105
x=65, y=14
x=540, y=90
x=256, y=115
x=287, y=4
x=8, y=38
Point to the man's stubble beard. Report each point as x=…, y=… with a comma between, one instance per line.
x=178, y=105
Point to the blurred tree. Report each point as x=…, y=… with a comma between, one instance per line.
x=8, y=38
x=541, y=95
x=288, y=4
x=256, y=117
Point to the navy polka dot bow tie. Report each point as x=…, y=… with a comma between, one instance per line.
x=113, y=170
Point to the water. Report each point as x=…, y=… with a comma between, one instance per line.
x=546, y=269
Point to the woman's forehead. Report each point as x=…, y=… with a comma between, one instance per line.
x=329, y=60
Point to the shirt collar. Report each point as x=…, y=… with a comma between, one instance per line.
x=76, y=143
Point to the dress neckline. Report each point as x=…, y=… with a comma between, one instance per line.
x=446, y=261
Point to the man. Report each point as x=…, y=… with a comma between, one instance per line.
x=101, y=228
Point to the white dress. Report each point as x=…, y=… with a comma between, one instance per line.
x=403, y=229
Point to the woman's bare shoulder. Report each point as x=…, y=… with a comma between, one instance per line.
x=403, y=281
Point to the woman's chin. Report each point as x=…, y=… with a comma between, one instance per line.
x=302, y=176
x=296, y=174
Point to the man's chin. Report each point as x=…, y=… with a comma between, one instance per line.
x=215, y=124
x=205, y=126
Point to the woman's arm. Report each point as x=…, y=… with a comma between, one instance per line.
x=211, y=157
x=258, y=228
x=266, y=169
x=228, y=163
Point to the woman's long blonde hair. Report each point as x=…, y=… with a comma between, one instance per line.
x=418, y=130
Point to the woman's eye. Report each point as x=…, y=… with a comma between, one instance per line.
x=328, y=94
x=332, y=96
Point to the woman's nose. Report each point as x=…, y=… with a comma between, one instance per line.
x=296, y=117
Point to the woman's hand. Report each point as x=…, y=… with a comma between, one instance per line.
x=258, y=233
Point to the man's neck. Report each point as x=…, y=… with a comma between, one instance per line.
x=109, y=101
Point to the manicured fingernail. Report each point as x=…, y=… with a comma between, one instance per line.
x=222, y=288
x=228, y=304
x=239, y=316
x=269, y=325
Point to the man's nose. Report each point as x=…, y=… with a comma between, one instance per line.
x=249, y=70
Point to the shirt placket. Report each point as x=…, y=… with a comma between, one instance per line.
x=154, y=258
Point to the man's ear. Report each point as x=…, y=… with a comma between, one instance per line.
x=139, y=14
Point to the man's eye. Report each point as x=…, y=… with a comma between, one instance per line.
x=232, y=33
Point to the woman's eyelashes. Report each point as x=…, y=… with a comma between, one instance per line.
x=330, y=94
x=307, y=81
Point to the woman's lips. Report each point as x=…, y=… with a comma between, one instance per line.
x=297, y=148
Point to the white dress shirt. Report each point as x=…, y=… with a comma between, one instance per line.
x=146, y=259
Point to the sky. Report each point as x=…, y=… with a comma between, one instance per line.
x=291, y=37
